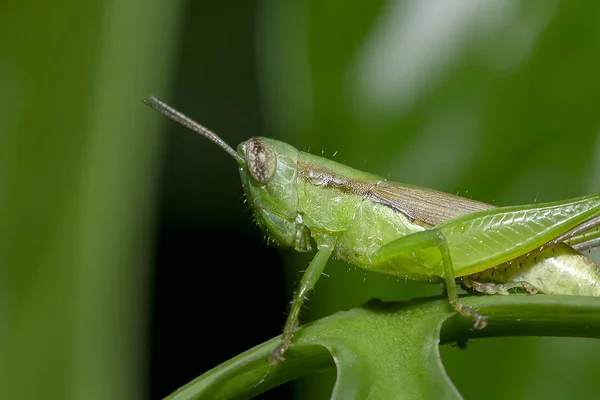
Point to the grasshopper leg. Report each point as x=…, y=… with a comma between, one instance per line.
x=426, y=239
x=496, y=288
x=309, y=279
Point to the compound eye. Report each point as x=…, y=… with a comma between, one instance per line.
x=261, y=160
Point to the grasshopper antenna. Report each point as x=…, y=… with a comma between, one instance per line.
x=189, y=123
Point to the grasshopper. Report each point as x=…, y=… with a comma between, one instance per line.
x=406, y=231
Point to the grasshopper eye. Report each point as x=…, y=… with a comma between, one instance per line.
x=261, y=160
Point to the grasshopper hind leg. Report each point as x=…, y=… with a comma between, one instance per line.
x=469, y=282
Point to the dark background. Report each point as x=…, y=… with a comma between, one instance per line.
x=129, y=263
x=219, y=290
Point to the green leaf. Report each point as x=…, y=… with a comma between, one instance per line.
x=390, y=350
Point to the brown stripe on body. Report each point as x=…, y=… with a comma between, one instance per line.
x=319, y=175
x=427, y=207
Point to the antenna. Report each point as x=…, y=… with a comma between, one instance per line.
x=186, y=121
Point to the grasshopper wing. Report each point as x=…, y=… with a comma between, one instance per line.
x=426, y=207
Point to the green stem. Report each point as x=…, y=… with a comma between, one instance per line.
x=249, y=374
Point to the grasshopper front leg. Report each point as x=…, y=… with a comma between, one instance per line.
x=309, y=279
x=427, y=239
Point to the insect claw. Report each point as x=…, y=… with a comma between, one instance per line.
x=480, y=321
x=277, y=355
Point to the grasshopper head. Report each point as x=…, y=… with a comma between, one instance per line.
x=268, y=169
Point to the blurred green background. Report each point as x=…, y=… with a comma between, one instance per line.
x=129, y=263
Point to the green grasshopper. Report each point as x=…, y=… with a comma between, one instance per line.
x=407, y=231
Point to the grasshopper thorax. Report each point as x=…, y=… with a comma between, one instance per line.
x=269, y=170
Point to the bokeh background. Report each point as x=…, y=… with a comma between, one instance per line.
x=129, y=263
